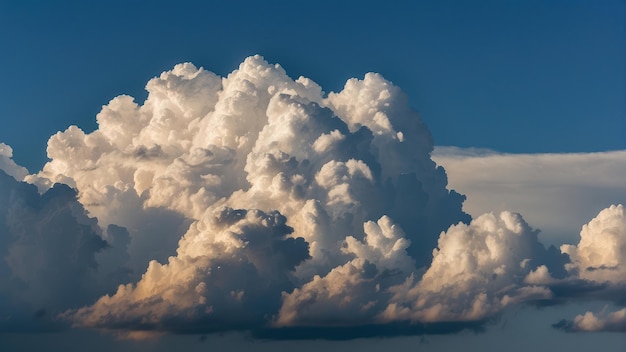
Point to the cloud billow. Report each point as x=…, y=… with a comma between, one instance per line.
x=213, y=284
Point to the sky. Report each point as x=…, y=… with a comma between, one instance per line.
x=208, y=197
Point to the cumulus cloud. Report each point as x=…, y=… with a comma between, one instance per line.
x=258, y=202
x=354, y=292
x=229, y=267
x=477, y=270
x=350, y=172
x=601, y=253
x=603, y=321
x=259, y=139
x=594, y=268
x=599, y=258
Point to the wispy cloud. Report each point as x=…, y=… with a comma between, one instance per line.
x=556, y=193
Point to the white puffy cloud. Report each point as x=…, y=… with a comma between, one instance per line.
x=554, y=192
x=601, y=253
x=264, y=143
x=603, y=321
x=539, y=276
x=257, y=139
x=599, y=259
x=477, y=270
x=614, y=321
x=355, y=292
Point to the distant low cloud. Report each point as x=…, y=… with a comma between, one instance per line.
x=556, y=193
x=600, y=257
x=590, y=322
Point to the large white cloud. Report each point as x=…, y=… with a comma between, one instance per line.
x=255, y=139
x=258, y=202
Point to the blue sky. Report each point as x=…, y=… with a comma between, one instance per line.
x=528, y=95
x=515, y=76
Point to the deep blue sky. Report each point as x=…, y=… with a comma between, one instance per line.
x=515, y=76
